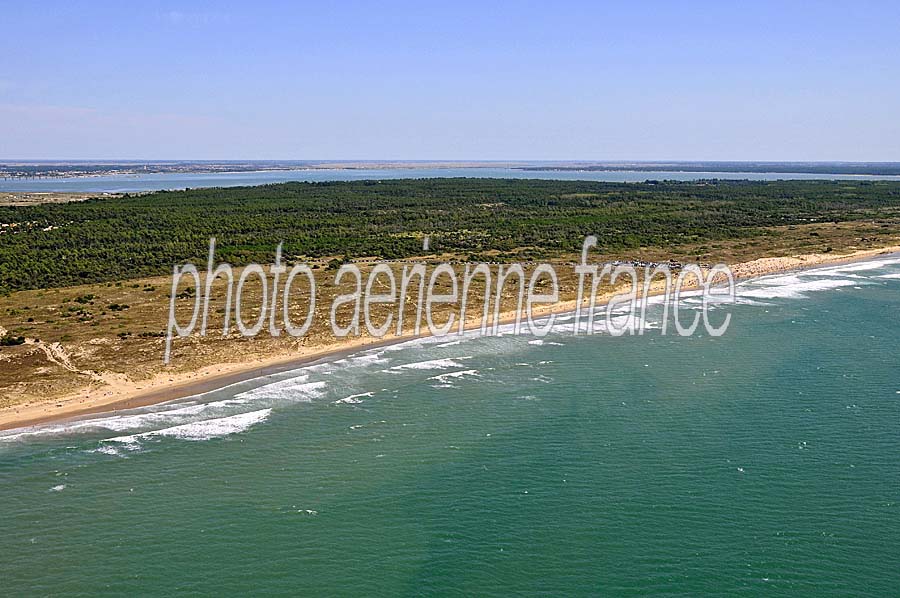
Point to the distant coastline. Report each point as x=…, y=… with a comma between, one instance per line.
x=37, y=169
x=823, y=168
x=13, y=169
x=82, y=178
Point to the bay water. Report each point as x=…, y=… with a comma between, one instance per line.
x=132, y=183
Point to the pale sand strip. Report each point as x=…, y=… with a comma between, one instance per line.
x=125, y=394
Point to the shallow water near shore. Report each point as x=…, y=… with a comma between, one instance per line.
x=763, y=461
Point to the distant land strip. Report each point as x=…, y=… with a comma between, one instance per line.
x=14, y=169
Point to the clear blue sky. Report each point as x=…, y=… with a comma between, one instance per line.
x=454, y=80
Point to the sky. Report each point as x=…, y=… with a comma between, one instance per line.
x=451, y=81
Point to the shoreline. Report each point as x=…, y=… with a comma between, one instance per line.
x=165, y=388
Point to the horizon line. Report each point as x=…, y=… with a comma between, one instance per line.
x=448, y=161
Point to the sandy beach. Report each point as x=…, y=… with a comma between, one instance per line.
x=121, y=393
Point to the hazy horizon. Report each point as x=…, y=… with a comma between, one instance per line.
x=586, y=161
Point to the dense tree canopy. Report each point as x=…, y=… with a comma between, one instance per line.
x=112, y=239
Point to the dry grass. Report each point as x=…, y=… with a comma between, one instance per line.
x=33, y=198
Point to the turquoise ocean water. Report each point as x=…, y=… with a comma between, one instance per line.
x=763, y=462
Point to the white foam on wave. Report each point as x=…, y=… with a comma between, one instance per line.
x=853, y=267
x=798, y=284
x=430, y=364
x=107, y=450
x=173, y=415
x=774, y=280
x=450, y=344
x=452, y=375
x=200, y=430
x=840, y=273
x=453, y=337
x=163, y=414
x=539, y=342
x=354, y=399
x=290, y=390
x=362, y=359
x=789, y=287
